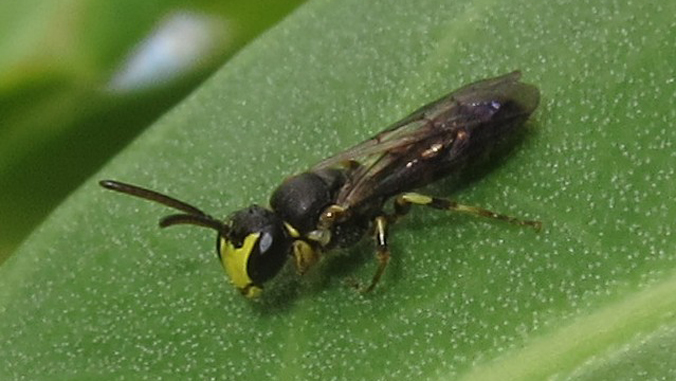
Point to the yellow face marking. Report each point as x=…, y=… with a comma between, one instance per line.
x=234, y=261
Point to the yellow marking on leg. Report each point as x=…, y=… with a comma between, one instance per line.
x=323, y=237
x=416, y=198
x=402, y=202
x=382, y=251
x=537, y=225
x=305, y=256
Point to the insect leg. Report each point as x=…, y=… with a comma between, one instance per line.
x=382, y=251
x=404, y=201
x=304, y=256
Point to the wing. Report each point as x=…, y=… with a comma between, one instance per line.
x=433, y=141
x=406, y=132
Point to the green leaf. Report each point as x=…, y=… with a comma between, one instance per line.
x=100, y=291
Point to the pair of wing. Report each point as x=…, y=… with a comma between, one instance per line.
x=426, y=145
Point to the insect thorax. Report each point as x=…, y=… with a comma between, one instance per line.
x=301, y=199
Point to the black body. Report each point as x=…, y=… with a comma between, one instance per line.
x=336, y=202
x=436, y=140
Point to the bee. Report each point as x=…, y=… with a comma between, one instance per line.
x=338, y=201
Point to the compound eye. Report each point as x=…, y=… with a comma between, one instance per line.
x=255, y=249
x=270, y=253
x=265, y=242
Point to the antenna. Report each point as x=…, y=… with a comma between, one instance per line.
x=192, y=215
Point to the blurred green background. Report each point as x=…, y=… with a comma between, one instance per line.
x=79, y=79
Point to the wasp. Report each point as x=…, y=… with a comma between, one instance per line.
x=338, y=201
